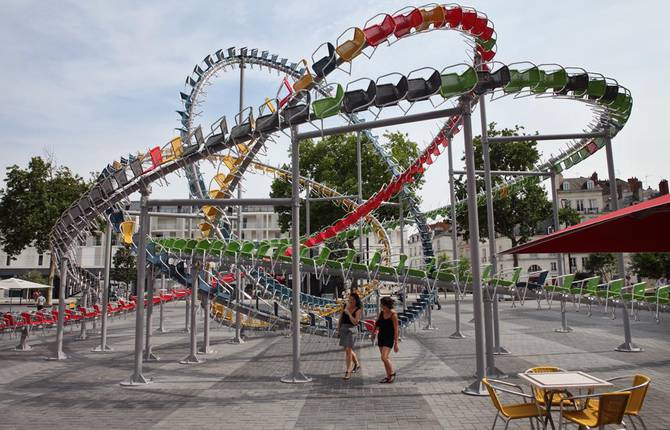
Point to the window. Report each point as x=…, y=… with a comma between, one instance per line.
x=573, y=263
x=589, y=185
x=553, y=266
x=580, y=205
x=534, y=268
x=566, y=203
x=584, y=260
x=593, y=205
x=40, y=260
x=9, y=261
x=566, y=186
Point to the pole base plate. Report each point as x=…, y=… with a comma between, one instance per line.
x=501, y=350
x=628, y=347
x=475, y=389
x=495, y=373
x=101, y=348
x=59, y=356
x=191, y=359
x=150, y=357
x=564, y=330
x=206, y=351
x=296, y=378
x=135, y=380
x=457, y=335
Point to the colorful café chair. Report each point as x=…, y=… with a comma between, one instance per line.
x=512, y=411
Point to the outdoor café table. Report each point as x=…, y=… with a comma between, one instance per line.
x=559, y=382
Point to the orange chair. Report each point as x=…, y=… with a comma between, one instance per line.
x=597, y=410
x=351, y=48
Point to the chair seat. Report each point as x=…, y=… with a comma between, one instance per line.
x=585, y=417
x=522, y=410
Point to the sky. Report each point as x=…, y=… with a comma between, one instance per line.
x=92, y=81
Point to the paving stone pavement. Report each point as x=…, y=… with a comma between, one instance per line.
x=238, y=386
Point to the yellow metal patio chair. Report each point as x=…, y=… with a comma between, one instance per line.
x=512, y=411
x=595, y=410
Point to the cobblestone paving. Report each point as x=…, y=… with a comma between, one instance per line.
x=237, y=386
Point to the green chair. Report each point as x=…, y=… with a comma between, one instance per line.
x=520, y=79
x=190, y=246
x=203, y=247
x=319, y=261
x=388, y=270
x=556, y=81
x=218, y=247
x=597, y=86
x=328, y=106
x=454, y=84
x=262, y=250
x=586, y=288
x=233, y=248
x=487, y=45
x=247, y=249
x=612, y=292
x=635, y=294
x=661, y=298
x=342, y=263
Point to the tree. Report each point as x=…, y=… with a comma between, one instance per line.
x=600, y=264
x=31, y=202
x=517, y=210
x=653, y=265
x=568, y=216
x=124, y=268
x=34, y=276
x=332, y=161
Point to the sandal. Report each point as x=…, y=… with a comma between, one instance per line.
x=391, y=379
x=347, y=376
x=385, y=380
x=356, y=368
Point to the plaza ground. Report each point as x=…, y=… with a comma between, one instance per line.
x=238, y=385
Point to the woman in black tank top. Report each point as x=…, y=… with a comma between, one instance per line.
x=387, y=331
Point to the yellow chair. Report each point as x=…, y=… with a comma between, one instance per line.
x=557, y=398
x=598, y=410
x=515, y=411
x=435, y=17
x=305, y=81
x=205, y=228
x=127, y=230
x=211, y=212
x=638, y=392
x=350, y=49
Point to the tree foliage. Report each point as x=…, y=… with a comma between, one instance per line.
x=568, y=216
x=519, y=210
x=332, y=161
x=35, y=276
x=32, y=201
x=124, y=268
x=602, y=264
x=653, y=265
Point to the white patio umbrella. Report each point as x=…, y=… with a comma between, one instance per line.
x=20, y=284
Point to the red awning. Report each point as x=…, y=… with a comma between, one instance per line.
x=644, y=227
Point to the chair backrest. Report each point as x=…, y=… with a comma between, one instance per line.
x=611, y=407
x=567, y=280
x=616, y=285
x=493, y=395
x=637, y=394
x=592, y=284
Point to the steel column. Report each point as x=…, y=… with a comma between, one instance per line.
x=565, y=328
x=238, y=278
x=205, y=349
x=137, y=377
x=307, y=232
x=107, y=255
x=192, y=358
x=151, y=287
x=627, y=345
x=359, y=176
x=161, y=321
x=476, y=388
x=454, y=239
x=60, y=323
x=296, y=376
x=402, y=246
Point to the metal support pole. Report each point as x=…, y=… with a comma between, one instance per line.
x=476, y=388
x=359, y=176
x=60, y=323
x=107, y=255
x=83, y=335
x=137, y=377
x=627, y=345
x=454, y=245
x=187, y=314
x=161, y=321
x=493, y=252
x=238, y=278
x=401, y=217
x=307, y=233
x=191, y=358
x=565, y=328
x=205, y=349
x=296, y=376
x=151, y=284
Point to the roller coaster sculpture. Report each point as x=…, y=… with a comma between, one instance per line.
x=308, y=95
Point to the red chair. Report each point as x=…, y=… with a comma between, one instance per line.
x=404, y=23
x=454, y=15
x=97, y=310
x=66, y=317
x=378, y=33
x=73, y=316
x=86, y=313
x=28, y=320
x=156, y=300
x=469, y=18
